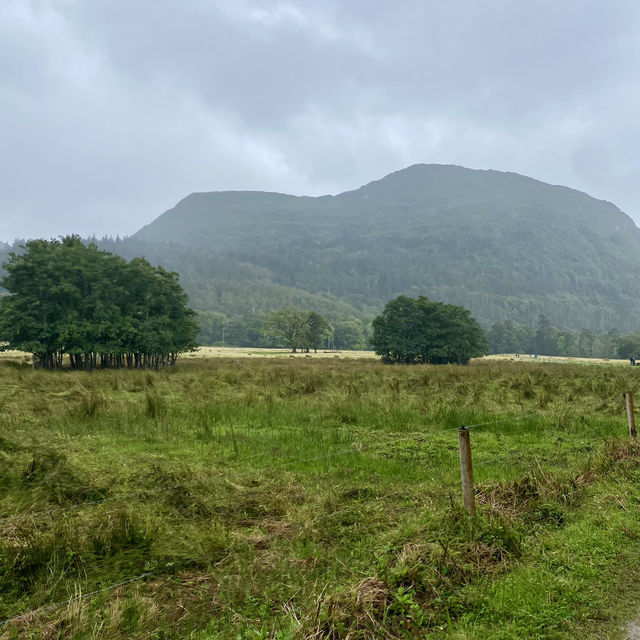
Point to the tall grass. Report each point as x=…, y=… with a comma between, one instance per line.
x=313, y=499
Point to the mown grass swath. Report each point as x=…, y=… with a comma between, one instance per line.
x=316, y=499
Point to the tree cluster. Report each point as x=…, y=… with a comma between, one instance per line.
x=252, y=330
x=70, y=299
x=297, y=328
x=413, y=330
x=547, y=340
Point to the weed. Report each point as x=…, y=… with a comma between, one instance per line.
x=156, y=406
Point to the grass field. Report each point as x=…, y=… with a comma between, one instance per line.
x=527, y=358
x=286, y=498
x=255, y=352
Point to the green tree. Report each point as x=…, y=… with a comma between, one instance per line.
x=414, y=330
x=605, y=345
x=502, y=337
x=509, y=337
x=210, y=324
x=71, y=299
x=460, y=336
x=296, y=328
x=319, y=330
x=348, y=334
x=629, y=345
x=546, y=342
x=585, y=342
x=288, y=326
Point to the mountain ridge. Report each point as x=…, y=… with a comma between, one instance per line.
x=505, y=245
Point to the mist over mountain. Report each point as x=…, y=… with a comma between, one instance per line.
x=504, y=245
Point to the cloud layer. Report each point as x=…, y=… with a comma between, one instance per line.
x=112, y=111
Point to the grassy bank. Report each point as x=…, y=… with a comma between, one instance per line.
x=316, y=498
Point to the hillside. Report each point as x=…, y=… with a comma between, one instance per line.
x=502, y=244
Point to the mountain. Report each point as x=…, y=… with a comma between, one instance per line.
x=504, y=245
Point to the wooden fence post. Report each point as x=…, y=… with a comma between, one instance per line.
x=466, y=471
x=628, y=396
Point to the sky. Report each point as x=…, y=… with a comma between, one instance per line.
x=111, y=111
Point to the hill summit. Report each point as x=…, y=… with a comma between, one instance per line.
x=504, y=245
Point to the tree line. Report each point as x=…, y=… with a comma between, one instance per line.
x=545, y=339
x=409, y=331
x=269, y=329
x=71, y=299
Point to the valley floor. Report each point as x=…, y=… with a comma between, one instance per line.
x=256, y=352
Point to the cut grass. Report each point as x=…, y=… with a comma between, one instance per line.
x=292, y=498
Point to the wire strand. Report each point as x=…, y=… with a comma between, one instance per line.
x=512, y=419
x=122, y=496
x=131, y=494
x=78, y=598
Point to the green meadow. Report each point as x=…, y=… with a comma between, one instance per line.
x=317, y=498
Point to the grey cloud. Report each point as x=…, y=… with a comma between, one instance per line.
x=111, y=111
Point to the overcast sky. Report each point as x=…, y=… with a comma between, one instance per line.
x=113, y=110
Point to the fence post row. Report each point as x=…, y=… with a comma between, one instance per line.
x=628, y=396
x=466, y=471
x=466, y=466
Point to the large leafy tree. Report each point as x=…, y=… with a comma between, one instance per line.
x=412, y=330
x=68, y=298
x=296, y=328
x=319, y=330
x=288, y=326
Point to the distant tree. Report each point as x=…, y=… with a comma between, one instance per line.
x=546, y=337
x=605, y=345
x=348, y=334
x=585, y=342
x=296, y=328
x=561, y=345
x=319, y=330
x=412, y=330
x=629, y=345
x=525, y=338
x=75, y=300
x=288, y=326
x=508, y=337
x=503, y=338
x=210, y=325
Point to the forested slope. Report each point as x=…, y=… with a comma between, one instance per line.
x=501, y=244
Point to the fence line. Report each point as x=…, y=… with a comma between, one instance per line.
x=81, y=597
x=466, y=465
x=529, y=415
x=350, y=450
x=78, y=598
x=512, y=419
x=60, y=510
